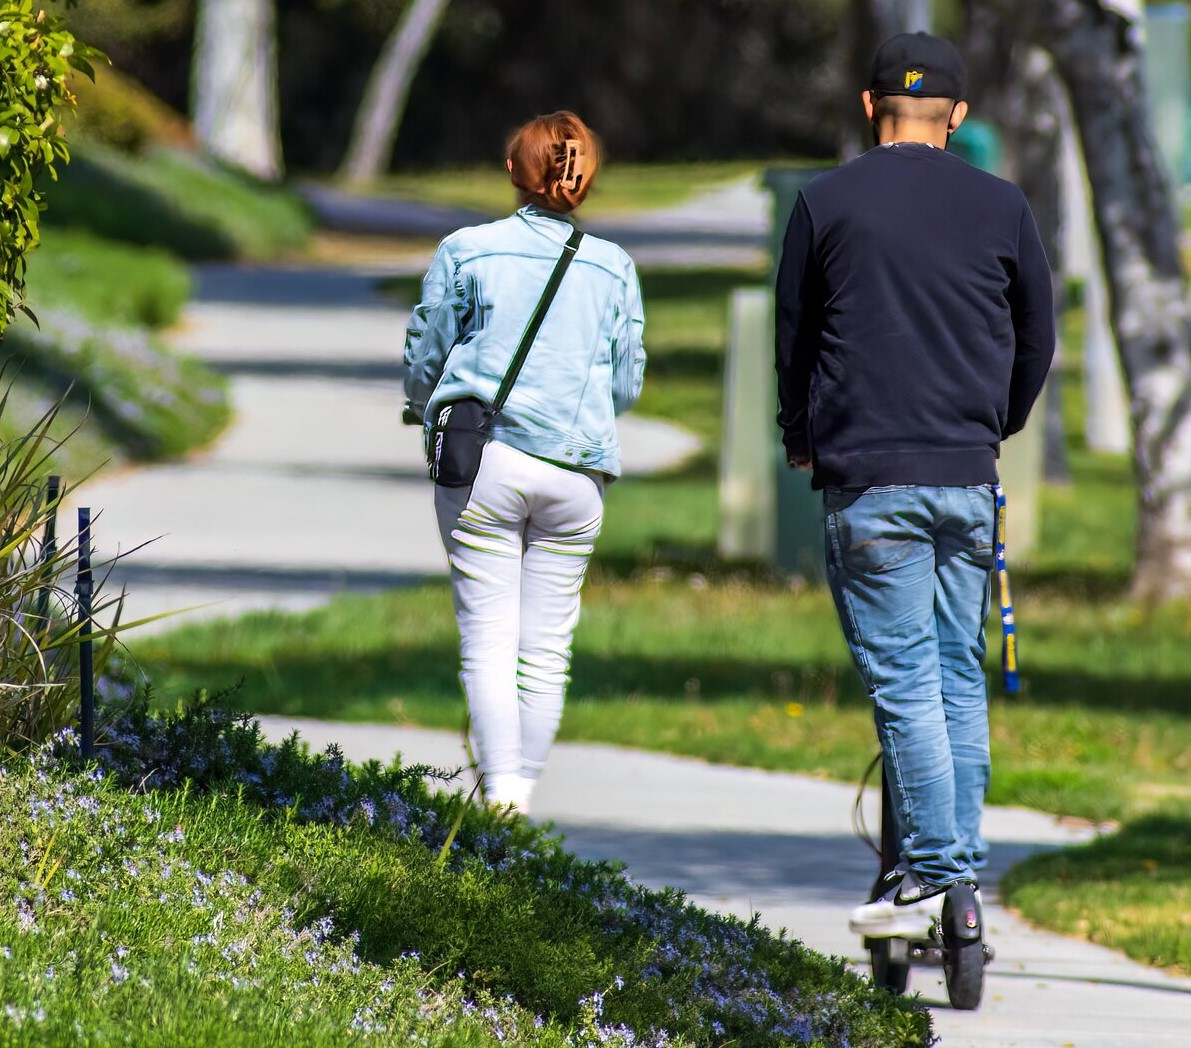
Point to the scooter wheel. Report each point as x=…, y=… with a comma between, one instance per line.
x=889, y=972
x=963, y=949
x=963, y=968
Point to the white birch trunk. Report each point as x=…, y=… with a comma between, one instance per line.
x=387, y=90
x=914, y=15
x=234, y=84
x=1035, y=113
x=1097, y=49
x=869, y=24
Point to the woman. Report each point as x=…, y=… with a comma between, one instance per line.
x=519, y=539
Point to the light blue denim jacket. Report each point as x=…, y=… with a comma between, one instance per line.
x=586, y=364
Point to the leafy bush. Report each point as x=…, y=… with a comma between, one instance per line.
x=37, y=55
x=178, y=201
x=372, y=870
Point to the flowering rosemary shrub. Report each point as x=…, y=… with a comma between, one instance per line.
x=197, y=872
x=37, y=55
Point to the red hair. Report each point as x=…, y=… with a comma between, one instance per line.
x=553, y=160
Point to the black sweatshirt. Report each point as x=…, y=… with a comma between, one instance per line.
x=915, y=320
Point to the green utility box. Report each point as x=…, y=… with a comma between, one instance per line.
x=798, y=537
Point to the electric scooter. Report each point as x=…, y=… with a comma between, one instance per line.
x=955, y=942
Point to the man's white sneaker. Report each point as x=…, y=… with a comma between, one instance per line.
x=905, y=911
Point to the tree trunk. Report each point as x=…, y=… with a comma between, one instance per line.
x=871, y=23
x=234, y=84
x=1035, y=112
x=1097, y=49
x=383, y=105
x=914, y=15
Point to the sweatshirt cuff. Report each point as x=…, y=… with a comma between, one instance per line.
x=797, y=445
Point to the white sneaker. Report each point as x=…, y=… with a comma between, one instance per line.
x=905, y=911
x=508, y=790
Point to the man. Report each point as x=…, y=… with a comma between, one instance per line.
x=915, y=327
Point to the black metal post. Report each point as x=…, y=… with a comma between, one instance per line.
x=49, y=547
x=891, y=845
x=84, y=590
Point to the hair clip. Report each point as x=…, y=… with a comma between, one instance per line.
x=574, y=165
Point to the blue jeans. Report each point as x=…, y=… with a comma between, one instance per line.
x=910, y=570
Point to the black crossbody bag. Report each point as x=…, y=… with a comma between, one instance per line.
x=462, y=427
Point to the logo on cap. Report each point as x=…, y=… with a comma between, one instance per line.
x=913, y=80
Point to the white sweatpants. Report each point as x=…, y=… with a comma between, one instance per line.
x=518, y=541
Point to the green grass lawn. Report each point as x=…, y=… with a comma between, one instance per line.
x=1130, y=891
x=109, y=273
x=106, y=281
x=176, y=201
x=620, y=188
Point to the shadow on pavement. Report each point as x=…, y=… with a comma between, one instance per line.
x=283, y=580
x=300, y=286
x=386, y=216
x=835, y=869
x=390, y=216
x=338, y=370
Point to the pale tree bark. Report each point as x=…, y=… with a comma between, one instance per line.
x=914, y=15
x=234, y=84
x=869, y=24
x=1036, y=113
x=1014, y=85
x=1097, y=49
x=387, y=90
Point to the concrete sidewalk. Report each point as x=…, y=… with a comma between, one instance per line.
x=743, y=841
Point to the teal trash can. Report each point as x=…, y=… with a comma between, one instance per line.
x=979, y=143
x=798, y=536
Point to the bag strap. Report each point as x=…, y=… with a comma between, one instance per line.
x=535, y=321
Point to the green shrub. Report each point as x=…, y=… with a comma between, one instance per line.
x=177, y=201
x=106, y=282
x=155, y=921
x=37, y=55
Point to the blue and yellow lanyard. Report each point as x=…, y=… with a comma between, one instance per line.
x=1008, y=630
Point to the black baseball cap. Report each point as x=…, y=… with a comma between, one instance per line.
x=921, y=66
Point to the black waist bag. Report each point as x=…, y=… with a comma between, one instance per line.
x=455, y=443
